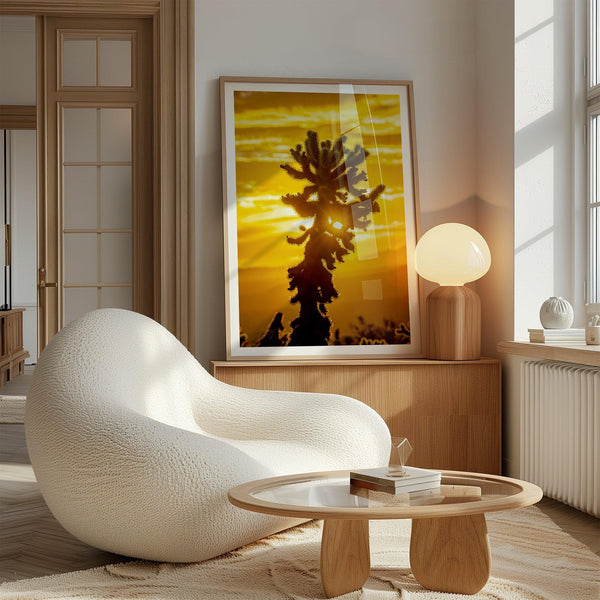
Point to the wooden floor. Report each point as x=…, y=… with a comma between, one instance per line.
x=12, y=397
x=33, y=544
x=19, y=385
x=581, y=526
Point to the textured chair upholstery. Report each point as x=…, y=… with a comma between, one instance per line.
x=135, y=445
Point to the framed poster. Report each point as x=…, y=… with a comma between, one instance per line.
x=321, y=218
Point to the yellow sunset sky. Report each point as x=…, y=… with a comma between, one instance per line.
x=372, y=281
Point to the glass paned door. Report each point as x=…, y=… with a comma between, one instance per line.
x=100, y=190
x=97, y=244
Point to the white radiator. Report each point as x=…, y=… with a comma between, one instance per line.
x=560, y=432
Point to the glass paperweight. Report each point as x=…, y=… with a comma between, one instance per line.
x=401, y=450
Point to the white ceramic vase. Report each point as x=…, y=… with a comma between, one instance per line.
x=556, y=313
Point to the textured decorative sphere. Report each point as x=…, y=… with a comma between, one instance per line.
x=452, y=254
x=556, y=313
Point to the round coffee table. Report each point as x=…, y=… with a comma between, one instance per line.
x=449, y=548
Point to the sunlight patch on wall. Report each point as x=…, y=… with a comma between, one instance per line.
x=534, y=76
x=534, y=281
x=534, y=206
x=530, y=14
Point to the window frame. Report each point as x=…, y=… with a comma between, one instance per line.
x=592, y=140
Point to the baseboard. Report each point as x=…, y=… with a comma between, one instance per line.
x=12, y=409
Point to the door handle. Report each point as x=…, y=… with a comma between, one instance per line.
x=42, y=283
x=7, y=245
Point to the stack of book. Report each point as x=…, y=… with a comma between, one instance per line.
x=539, y=336
x=378, y=480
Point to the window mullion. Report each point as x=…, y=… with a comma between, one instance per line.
x=592, y=139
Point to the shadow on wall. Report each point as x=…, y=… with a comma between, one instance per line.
x=210, y=313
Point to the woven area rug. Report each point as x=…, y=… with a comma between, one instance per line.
x=532, y=559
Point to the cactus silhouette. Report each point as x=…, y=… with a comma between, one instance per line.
x=271, y=336
x=338, y=208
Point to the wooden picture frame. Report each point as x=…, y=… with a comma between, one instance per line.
x=321, y=218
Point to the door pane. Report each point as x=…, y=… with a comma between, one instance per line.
x=115, y=196
x=115, y=62
x=116, y=256
x=81, y=202
x=94, y=210
x=81, y=257
x=80, y=135
x=78, y=301
x=116, y=297
x=79, y=62
x=115, y=134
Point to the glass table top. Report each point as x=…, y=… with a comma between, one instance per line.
x=336, y=492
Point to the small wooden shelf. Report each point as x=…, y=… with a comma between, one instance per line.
x=12, y=354
x=449, y=410
x=575, y=352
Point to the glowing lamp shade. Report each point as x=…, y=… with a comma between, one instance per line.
x=452, y=254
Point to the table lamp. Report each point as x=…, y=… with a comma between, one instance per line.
x=453, y=254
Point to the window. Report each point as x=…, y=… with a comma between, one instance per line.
x=593, y=143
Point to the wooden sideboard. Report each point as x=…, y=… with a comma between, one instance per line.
x=12, y=354
x=449, y=410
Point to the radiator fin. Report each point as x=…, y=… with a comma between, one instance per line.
x=560, y=432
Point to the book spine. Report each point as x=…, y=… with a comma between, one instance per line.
x=413, y=487
x=369, y=485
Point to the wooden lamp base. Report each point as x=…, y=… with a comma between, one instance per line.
x=453, y=324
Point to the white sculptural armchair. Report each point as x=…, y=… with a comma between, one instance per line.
x=135, y=445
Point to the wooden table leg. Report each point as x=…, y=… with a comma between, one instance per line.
x=450, y=554
x=345, y=557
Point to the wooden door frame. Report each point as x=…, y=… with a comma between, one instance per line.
x=173, y=38
x=13, y=116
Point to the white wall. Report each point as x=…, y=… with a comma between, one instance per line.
x=24, y=234
x=495, y=179
x=17, y=86
x=431, y=42
x=495, y=166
